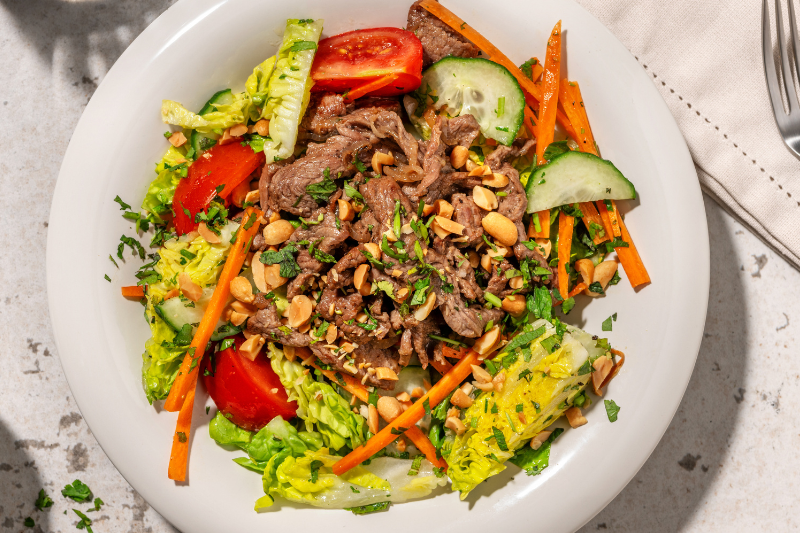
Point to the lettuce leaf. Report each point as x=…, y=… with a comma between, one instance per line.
x=161, y=190
x=290, y=86
x=161, y=361
x=495, y=427
x=257, y=85
x=309, y=479
x=330, y=414
x=224, y=116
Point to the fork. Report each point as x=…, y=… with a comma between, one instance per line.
x=788, y=122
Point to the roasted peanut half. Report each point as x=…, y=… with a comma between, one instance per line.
x=498, y=181
x=361, y=280
x=501, y=228
x=389, y=408
x=443, y=208
x=603, y=274
x=242, y=290
x=383, y=372
x=346, y=211
x=207, y=234
x=575, y=417
x=514, y=304
x=189, y=288
x=585, y=268
x=459, y=156
x=300, y=310
x=278, y=232
x=425, y=309
x=484, y=198
x=486, y=342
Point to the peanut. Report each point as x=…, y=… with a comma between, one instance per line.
x=501, y=228
x=603, y=274
x=262, y=127
x=361, y=281
x=484, y=198
x=300, y=310
x=278, y=232
x=389, y=408
x=456, y=425
x=189, y=288
x=177, y=139
x=251, y=347
x=460, y=399
x=242, y=290
x=575, y=417
x=346, y=211
x=207, y=234
x=383, y=372
x=486, y=342
x=379, y=159
x=538, y=440
x=498, y=181
x=459, y=156
x=514, y=304
x=425, y=309
x=443, y=208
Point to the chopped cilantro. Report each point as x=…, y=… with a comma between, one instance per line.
x=612, y=409
x=78, y=491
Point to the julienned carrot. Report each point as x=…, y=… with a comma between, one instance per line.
x=354, y=387
x=465, y=30
x=591, y=216
x=629, y=257
x=452, y=353
x=612, y=229
x=567, y=99
x=370, y=86
x=530, y=122
x=186, y=382
x=576, y=290
x=133, y=291
x=549, y=102
x=410, y=416
x=575, y=90
x=233, y=264
x=566, y=224
x=543, y=217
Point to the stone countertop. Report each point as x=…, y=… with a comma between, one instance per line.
x=726, y=463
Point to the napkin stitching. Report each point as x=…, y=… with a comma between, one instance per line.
x=735, y=145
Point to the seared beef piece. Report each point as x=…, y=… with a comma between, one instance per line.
x=387, y=104
x=514, y=203
x=377, y=275
x=498, y=281
x=457, y=270
x=438, y=39
x=321, y=116
x=261, y=302
x=434, y=162
x=380, y=195
x=360, y=229
x=332, y=236
x=299, y=284
x=376, y=357
x=267, y=173
x=406, y=348
x=287, y=188
x=267, y=323
x=258, y=243
x=446, y=186
x=438, y=353
x=369, y=126
x=423, y=344
x=460, y=131
x=467, y=321
x=469, y=215
x=503, y=153
x=382, y=317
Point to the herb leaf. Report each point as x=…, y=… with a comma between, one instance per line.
x=78, y=491
x=612, y=409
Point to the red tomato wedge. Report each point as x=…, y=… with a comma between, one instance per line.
x=227, y=165
x=248, y=392
x=377, y=61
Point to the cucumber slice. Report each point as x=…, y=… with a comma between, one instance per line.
x=575, y=177
x=176, y=312
x=478, y=87
x=201, y=141
x=224, y=97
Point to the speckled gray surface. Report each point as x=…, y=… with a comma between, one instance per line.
x=726, y=463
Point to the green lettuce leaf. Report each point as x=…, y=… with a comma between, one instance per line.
x=330, y=414
x=495, y=427
x=161, y=190
x=290, y=86
x=257, y=85
x=309, y=479
x=224, y=116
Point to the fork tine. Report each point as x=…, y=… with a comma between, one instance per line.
x=795, y=41
x=788, y=80
x=773, y=86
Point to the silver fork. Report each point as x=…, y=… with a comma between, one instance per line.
x=788, y=123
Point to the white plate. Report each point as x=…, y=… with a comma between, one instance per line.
x=198, y=47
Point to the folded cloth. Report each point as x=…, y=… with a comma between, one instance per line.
x=706, y=59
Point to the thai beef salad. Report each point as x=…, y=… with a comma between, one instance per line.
x=362, y=255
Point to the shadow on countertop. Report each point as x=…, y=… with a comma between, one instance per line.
x=19, y=485
x=82, y=37
x=673, y=482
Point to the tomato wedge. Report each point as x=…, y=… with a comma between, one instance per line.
x=223, y=165
x=377, y=61
x=248, y=392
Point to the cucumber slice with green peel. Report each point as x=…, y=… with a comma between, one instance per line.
x=223, y=97
x=176, y=312
x=201, y=141
x=478, y=87
x=575, y=177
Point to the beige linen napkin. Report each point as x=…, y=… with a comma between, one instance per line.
x=705, y=58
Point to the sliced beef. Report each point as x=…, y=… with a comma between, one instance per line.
x=369, y=126
x=469, y=215
x=460, y=131
x=503, y=153
x=360, y=230
x=287, y=187
x=376, y=357
x=267, y=323
x=321, y=116
x=331, y=235
x=467, y=321
x=423, y=343
x=445, y=186
x=434, y=161
x=498, y=280
x=438, y=39
x=381, y=194
x=267, y=173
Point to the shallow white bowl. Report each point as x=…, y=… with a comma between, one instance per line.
x=198, y=47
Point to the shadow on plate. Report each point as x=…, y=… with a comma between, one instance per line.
x=20, y=484
x=673, y=482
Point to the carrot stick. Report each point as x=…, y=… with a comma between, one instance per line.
x=591, y=216
x=549, y=102
x=606, y=218
x=354, y=387
x=575, y=90
x=536, y=69
x=370, y=86
x=565, y=225
x=568, y=101
x=233, y=265
x=530, y=122
x=452, y=353
x=576, y=290
x=462, y=28
x=443, y=367
x=410, y=416
x=544, y=225
x=629, y=257
x=133, y=291
x=187, y=375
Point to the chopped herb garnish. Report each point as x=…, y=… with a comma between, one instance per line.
x=300, y=46
x=122, y=205
x=612, y=409
x=78, y=491
x=322, y=190
x=43, y=501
